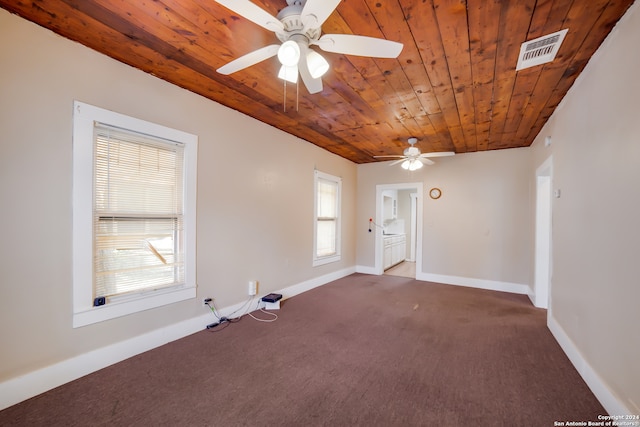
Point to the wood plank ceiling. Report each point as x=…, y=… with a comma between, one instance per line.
x=454, y=86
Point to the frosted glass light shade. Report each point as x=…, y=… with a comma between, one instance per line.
x=289, y=74
x=289, y=53
x=317, y=64
x=411, y=165
x=417, y=164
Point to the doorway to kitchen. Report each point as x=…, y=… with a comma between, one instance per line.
x=398, y=238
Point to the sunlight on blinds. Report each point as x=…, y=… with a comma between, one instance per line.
x=138, y=210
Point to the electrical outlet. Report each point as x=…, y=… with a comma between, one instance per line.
x=205, y=301
x=253, y=287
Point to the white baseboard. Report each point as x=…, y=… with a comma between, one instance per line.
x=365, y=269
x=307, y=285
x=516, y=288
x=29, y=385
x=493, y=285
x=611, y=403
x=17, y=389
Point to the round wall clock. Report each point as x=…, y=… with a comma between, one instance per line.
x=435, y=193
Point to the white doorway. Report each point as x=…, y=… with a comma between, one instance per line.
x=414, y=223
x=414, y=242
x=542, y=272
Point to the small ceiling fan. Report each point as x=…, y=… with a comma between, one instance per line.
x=297, y=26
x=412, y=159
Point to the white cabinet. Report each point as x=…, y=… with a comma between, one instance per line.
x=387, y=255
x=389, y=205
x=389, y=208
x=394, y=250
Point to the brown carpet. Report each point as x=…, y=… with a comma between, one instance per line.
x=360, y=351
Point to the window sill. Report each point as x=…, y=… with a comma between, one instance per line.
x=326, y=260
x=113, y=310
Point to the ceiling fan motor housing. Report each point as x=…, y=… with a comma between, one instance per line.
x=293, y=25
x=412, y=151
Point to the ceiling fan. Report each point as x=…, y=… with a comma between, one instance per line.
x=297, y=26
x=412, y=159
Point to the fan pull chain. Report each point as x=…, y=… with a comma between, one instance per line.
x=284, y=97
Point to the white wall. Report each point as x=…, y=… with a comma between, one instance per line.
x=255, y=199
x=477, y=233
x=595, y=290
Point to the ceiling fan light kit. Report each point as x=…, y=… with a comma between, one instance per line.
x=298, y=26
x=411, y=165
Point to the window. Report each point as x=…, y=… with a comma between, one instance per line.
x=134, y=215
x=327, y=218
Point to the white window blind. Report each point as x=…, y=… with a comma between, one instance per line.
x=138, y=212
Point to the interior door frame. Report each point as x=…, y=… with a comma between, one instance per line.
x=543, y=243
x=380, y=188
x=414, y=232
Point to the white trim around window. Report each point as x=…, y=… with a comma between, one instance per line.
x=327, y=218
x=85, y=312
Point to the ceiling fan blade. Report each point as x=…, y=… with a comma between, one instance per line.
x=425, y=161
x=315, y=12
x=438, y=154
x=380, y=157
x=249, y=59
x=314, y=85
x=253, y=13
x=350, y=44
x=397, y=161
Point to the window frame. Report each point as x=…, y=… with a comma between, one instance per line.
x=326, y=259
x=84, y=313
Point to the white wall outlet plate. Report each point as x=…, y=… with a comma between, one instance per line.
x=253, y=287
